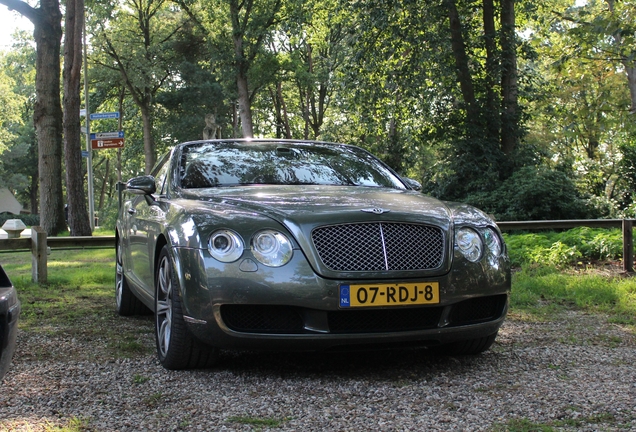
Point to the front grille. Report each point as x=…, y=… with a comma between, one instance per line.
x=384, y=320
x=379, y=246
x=276, y=319
x=263, y=319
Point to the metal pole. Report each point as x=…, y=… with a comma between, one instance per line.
x=89, y=159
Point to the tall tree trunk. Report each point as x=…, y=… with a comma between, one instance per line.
x=242, y=65
x=47, y=114
x=245, y=109
x=105, y=182
x=78, y=219
x=628, y=62
x=33, y=195
x=149, y=141
x=492, y=107
x=509, y=90
x=461, y=61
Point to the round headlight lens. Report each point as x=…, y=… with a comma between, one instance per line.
x=272, y=248
x=493, y=243
x=225, y=245
x=469, y=243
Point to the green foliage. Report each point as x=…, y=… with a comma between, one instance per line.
x=532, y=193
x=77, y=301
x=533, y=289
x=563, y=248
x=28, y=219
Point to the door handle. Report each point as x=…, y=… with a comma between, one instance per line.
x=132, y=211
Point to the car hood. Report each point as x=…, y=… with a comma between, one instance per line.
x=311, y=206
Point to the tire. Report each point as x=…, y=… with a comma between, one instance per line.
x=470, y=346
x=177, y=348
x=126, y=303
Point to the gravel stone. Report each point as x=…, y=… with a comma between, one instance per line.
x=577, y=373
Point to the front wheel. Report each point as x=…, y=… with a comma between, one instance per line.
x=177, y=348
x=125, y=301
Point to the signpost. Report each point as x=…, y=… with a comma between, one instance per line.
x=96, y=141
x=107, y=140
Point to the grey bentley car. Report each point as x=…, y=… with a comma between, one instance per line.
x=297, y=245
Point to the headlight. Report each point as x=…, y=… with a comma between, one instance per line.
x=272, y=248
x=492, y=241
x=225, y=245
x=469, y=243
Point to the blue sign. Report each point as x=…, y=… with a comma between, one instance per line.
x=107, y=115
x=107, y=135
x=84, y=153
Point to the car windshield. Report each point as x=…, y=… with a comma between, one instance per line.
x=211, y=164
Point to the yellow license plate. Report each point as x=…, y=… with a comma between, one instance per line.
x=397, y=294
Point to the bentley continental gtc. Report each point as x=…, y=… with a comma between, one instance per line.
x=298, y=245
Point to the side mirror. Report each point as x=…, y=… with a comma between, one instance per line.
x=142, y=185
x=413, y=184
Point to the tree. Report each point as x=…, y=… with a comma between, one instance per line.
x=138, y=43
x=47, y=117
x=19, y=162
x=78, y=219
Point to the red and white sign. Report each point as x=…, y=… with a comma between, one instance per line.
x=107, y=143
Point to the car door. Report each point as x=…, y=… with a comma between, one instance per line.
x=146, y=216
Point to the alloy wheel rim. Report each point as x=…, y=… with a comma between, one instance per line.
x=119, y=277
x=164, y=306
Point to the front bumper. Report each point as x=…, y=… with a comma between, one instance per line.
x=9, y=313
x=242, y=306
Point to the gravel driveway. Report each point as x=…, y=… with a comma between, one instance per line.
x=576, y=373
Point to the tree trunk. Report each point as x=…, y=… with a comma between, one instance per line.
x=242, y=66
x=630, y=68
x=492, y=107
x=33, y=194
x=105, y=181
x=149, y=141
x=461, y=60
x=245, y=109
x=509, y=90
x=47, y=114
x=78, y=219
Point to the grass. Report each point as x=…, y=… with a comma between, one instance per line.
x=257, y=421
x=78, y=301
x=525, y=425
x=540, y=291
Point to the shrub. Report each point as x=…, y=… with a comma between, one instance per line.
x=533, y=193
x=27, y=219
x=561, y=248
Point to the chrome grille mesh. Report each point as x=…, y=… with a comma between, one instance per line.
x=379, y=246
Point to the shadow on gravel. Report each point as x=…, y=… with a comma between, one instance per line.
x=390, y=365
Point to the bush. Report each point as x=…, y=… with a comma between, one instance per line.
x=533, y=193
x=559, y=249
x=27, y=219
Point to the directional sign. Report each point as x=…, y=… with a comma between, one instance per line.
x=107, y=140
x=100, y=135
x=107, y=143
x=107, y=115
